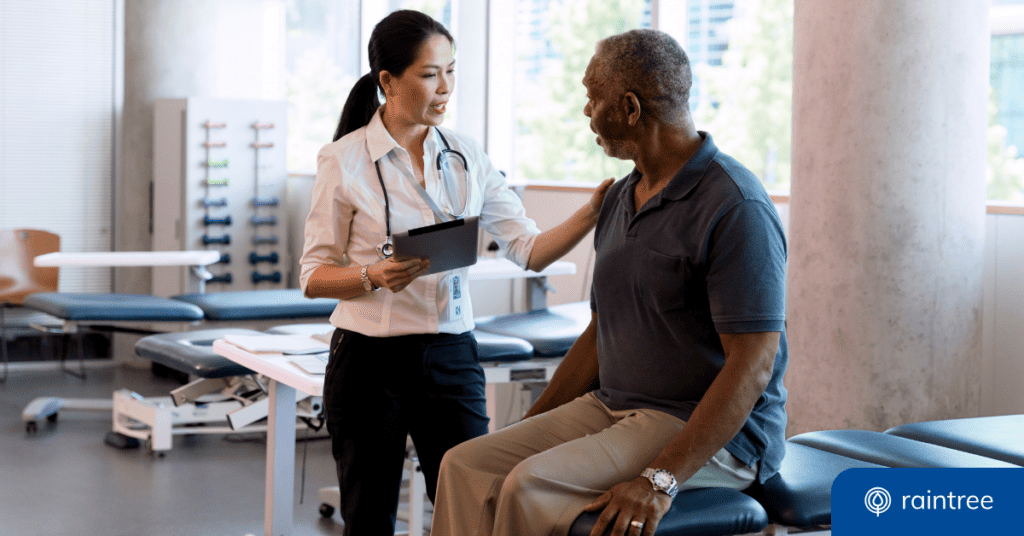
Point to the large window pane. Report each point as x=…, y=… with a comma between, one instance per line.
x=554, y=41
x=322, y=64
x=1006, y=108
x=743, y=78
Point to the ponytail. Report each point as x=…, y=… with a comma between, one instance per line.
x=362, y=103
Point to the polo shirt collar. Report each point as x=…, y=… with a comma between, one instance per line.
x=379, y=141
x=690, y=174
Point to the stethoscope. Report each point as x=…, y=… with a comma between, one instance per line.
x=385, y=250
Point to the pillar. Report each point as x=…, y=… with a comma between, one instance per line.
x=887, y=212
x=221, y=49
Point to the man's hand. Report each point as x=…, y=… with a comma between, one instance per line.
x=631, y=501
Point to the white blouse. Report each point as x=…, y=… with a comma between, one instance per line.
x=346, y=223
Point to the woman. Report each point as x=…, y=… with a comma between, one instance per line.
x=403, y=360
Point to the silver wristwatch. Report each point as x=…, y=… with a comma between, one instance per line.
x=662, y=481
x=367, y=284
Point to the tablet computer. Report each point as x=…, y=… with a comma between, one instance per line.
x=448, y=245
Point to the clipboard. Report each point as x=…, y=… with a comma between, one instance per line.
x=448, y=245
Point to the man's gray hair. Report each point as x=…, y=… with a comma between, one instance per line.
x=653, y=65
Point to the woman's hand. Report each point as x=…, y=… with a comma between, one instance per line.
x=599, y=193
x=396, y=275
x=631, y=508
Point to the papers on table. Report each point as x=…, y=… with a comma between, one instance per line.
x=278, y=344
x=311, y=364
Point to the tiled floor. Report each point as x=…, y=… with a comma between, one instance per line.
x=64, y=480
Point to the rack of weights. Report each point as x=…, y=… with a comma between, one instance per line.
x=219, y=172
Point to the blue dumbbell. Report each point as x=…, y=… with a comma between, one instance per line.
x=254, y=258
x=258, y=278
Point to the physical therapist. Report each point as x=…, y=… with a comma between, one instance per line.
x=403, y=360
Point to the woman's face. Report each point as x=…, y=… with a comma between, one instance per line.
x=420, y=94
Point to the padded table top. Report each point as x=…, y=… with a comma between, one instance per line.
x=1000, y=437
x=494, y=347
x=800, y=494
x=112, y=307
x=551, y=331
x=192, y=352
x=260, y=304
x=893, y=451
x=711, y=511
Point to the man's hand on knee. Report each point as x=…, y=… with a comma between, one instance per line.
x=632, y=507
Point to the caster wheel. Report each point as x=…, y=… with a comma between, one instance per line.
x=326, y=510
x=30, y=427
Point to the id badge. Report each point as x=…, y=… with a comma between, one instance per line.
x=456, y=302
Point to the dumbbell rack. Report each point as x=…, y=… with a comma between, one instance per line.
x=219, y=183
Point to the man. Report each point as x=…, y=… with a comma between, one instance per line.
x=686, y=337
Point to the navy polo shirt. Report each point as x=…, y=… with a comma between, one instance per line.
x=704, y=256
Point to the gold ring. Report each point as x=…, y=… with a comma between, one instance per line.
x=637, y=524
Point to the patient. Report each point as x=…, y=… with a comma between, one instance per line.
x=686, y=336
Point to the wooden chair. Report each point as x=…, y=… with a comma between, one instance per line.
x=19, y=277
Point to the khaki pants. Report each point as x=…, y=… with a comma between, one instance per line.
x=535, y=477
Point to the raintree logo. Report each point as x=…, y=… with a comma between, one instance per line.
x=877, y=501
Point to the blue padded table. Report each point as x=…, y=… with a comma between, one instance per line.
x=75, y=308
x=799, y=496
x=551, y=331
x=893, y=451
x=1000, y=437
x=231, y=403
x=192, y=352
x=704, y=512
x=90, y=307
x=259, y=305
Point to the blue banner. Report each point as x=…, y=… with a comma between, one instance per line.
x=880, y=502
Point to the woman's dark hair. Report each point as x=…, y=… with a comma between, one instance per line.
x=394, y=44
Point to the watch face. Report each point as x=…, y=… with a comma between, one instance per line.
x=663, y=479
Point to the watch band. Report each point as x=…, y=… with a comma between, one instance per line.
x=367, y=284
x=668, y=484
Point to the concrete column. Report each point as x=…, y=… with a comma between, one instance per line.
x=887, y=212
x=224, y=49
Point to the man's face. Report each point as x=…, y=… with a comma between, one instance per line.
x=604, y=107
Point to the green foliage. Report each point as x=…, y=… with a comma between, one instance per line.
x=747, y=101
x=555, y=141
x=1005, y=174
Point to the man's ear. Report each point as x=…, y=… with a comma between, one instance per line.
x=631, y=103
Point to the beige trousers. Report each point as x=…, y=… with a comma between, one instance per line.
x=535, y=477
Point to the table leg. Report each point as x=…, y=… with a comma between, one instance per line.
x=537, y=293
x=278, y=508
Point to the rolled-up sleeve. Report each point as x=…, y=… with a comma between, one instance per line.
x=329, y=222
x=503, y=214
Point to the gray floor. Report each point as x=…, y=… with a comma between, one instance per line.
x=64, y=480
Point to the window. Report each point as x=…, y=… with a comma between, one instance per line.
x=548, y=135
x=751, y=47
x=1005, y=176
x=322, y=64
x=325, y=55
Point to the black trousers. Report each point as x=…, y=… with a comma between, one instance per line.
x=379, y=390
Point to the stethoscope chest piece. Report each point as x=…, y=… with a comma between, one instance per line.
x=385, y=250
